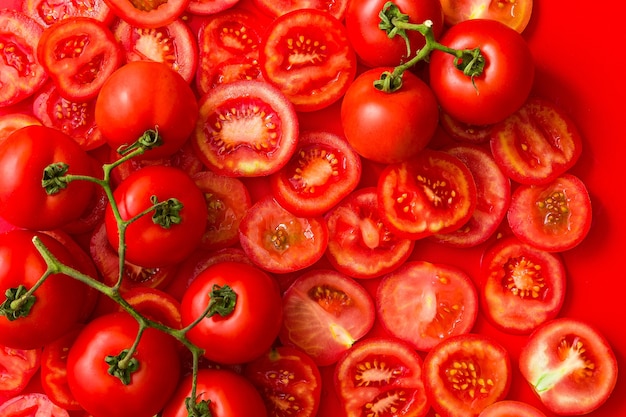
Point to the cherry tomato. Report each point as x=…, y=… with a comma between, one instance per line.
x=17, y=367
x=150, y=14
x=511, y=408
x=31, y=403
x=48, y=13
x=513, y=13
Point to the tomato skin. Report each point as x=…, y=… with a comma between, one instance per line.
x=17, y=367
x=54, y=370
x=209, y=7
x=250, y=329
x=11, y=122
x=149, y=14
x=404, y=120
x=511, y=408
x=509, y=62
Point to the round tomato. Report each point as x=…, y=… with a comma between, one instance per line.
x=502, y=87
x=146, y=96
x=138, y=390
x=325, y=313
x=167, y=234
x=148, y=14
x=306, y=53
x=570, y=366
x=511, y=408
x=246, y=128
x=26, y=200
x=245, y=312
x=48, y=13
x=403, y=121
x=513, y=13
x=31, y=404
x=466, y=373
x=17, y=367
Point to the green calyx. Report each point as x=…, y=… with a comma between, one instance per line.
x=17, y=303
x=122, y=368
x=197, y=409
x=223, y=301
x=54, y=179
x=166, y=213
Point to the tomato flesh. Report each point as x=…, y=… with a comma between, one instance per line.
x=514, y=13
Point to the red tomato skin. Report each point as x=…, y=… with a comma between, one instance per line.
x=403, y=121
x=154, y=15
x=491, y=97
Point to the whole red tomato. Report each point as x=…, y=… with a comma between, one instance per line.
x=142, y=96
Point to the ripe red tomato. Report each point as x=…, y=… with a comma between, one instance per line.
x=163, y=236
x=148, y=14
x=570, y=366
x=11, y=122
x=17, y=367
x=142, y=96
x=511, y=408
x=403, y=121
x=504, y=84
x=30, y=403
x=246, y=332
x=514, y=13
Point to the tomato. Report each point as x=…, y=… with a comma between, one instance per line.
x=373, y=46
x=249, y=329
x=325, y=313
x=511, y=408
x=553, y=217
x=504, y=84
x=17, y=367
x=466, y=373
x=226, y=393
x=9, y=123
x=463, y=132
x=79, y=54
x=149, y=386
x=50, y=313
x=173, y=44
x=441, y=300
x=404, y=121
x=384, y=375
x=31, y=403
x=154, y=304
x=54, y=370
x=537, y=143
x=288, y=380
x=48, y=13
x=359, y=243
x=306, y=53
x=279, y=241
x=24, y=156
x=337, y=9
x=21, y=74
x=245, y=128
x=513, y=13
x=165, y=235
x=142, y=96
x=493, y=196
x=209, y=7
x=322, y=171
x=148, y=14
x=570, y=366
x=434, y=192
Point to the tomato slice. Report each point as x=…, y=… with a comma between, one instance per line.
x=359, y=243
x=384, y=375
x=278, y=241
x=466, y=373
x=246, y=128
x=17, y=367
x=209, y=7
x=306, y=53
x=54, y=371
x=275, y=8
x=537, y=143
x=31, y=404
x=434, y=192
x=511, y=408
x=464, y=132
x=521, y=286
x=21, y=74
x=513, y=13
x=441, y=300
x=554, y=217
x=325, y=313
x=570, y=365
x=289, y=381
x=148, y=14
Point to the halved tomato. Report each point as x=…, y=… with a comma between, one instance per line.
x=511, y=408
x=325, y=313
x=54, y=370
x=514, y=13
x=31, y=403
x=148, y=14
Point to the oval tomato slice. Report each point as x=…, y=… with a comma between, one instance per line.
x=246, y=128
x=434, y=192
x=384, y=375
x=511, y=408
x=276, y=8
x=17, y=367
x=464, y=132
x=554, y=217
x=47, y=12
x=513, y=13
x=359, y=243
x=570, y=365
x=208, y=7
x=521, y=286
x=441, y=300
x=306, y=53
x=325, y=313
x=466, y=373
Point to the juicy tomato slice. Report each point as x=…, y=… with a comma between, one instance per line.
x=150, y=13
x=79, y=54
x=322, y=171
x=17, y=367
x=570, y=365
x=325, y=313
x=493, y=196
x=306, y=53
x=21, y=74
x=513, y=13
x=9, y=123
x=246, y=128
x=287, y=373
x=275, y=8
x=537, y=143
x=209, y=7
x=31, y=404
x=511, y=408
x=173, y=44
x=278, y=241
x=553, y=217
x=359, y=243
x=464, y=132
x=434, y=192
x=521, y=286
x=54, y=371
x=466, y=373
x=441, y=300
x=47, y=12
x=381, y=374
